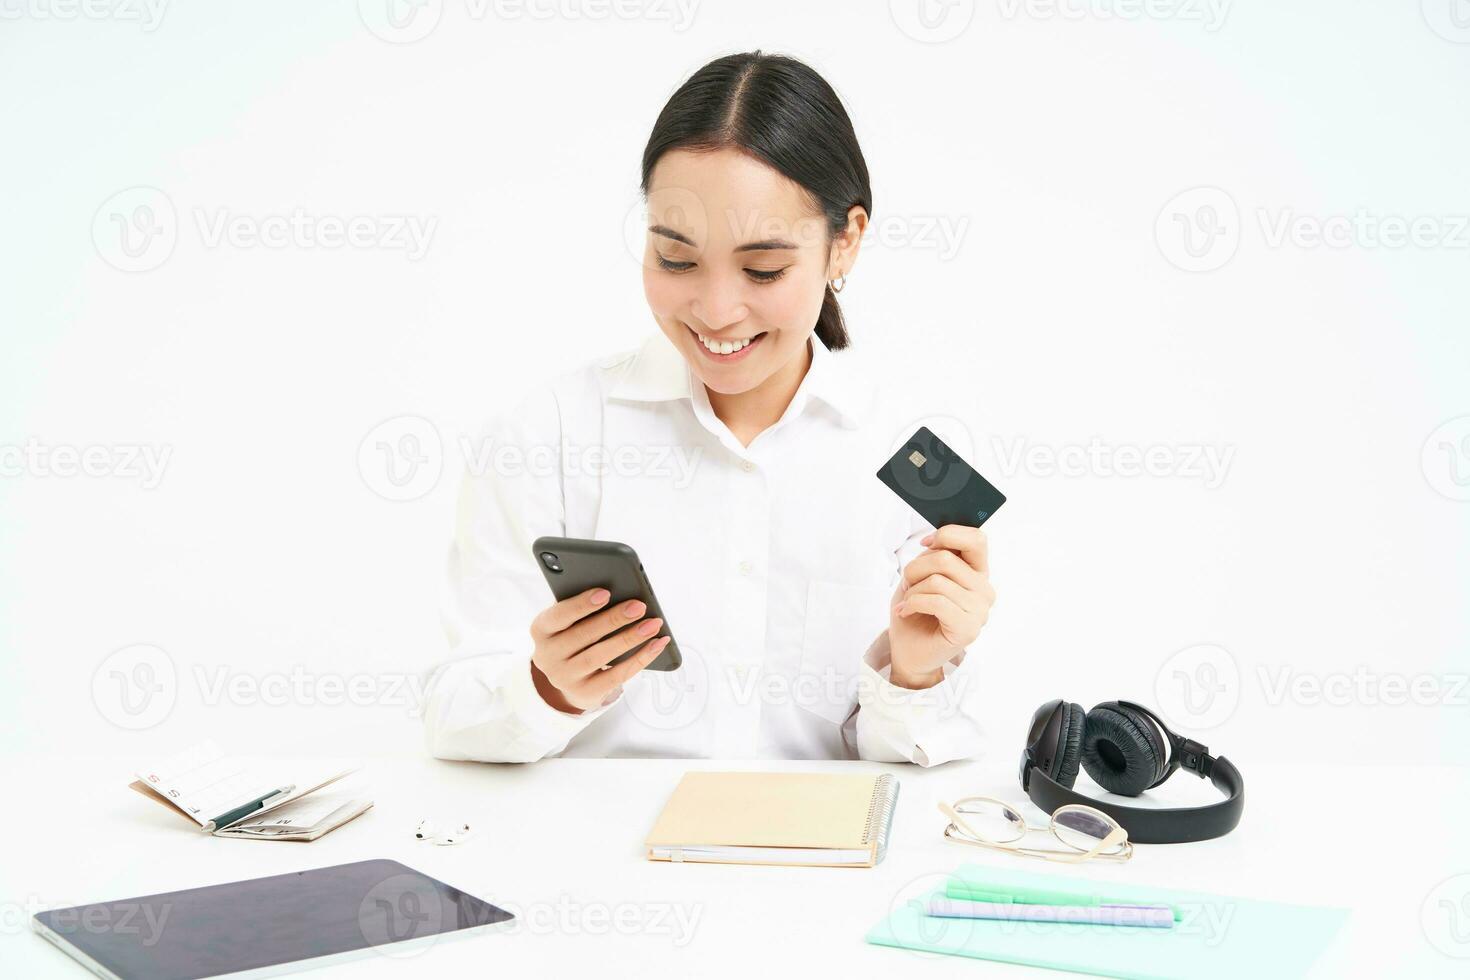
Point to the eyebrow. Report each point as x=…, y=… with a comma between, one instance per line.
x=770, y=244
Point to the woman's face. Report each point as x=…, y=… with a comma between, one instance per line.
x=736, y=256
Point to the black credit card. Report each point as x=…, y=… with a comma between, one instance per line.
x=933, y=480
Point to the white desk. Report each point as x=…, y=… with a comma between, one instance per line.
x=559, y=843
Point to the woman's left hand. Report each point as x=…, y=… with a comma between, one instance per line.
x=942, y=601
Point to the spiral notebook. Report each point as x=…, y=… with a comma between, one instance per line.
x=814, y=819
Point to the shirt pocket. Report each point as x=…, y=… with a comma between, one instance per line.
x=842, y=620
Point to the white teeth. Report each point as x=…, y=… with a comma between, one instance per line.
x=723, y=346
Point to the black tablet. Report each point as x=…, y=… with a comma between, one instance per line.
x=267, y=926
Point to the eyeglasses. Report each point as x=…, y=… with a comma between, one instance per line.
x=1087, y=832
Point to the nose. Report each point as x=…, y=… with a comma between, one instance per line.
x=720, y=304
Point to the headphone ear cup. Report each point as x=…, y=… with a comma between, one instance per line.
x=1121, y=751
x=1069, y=745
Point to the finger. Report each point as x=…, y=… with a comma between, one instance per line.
x=599, y=655
x=966, y=599
x=557, y=617
x=603, y=683
x=941, y=562
x=585, y=633
x=970, y=543
x=940, y=607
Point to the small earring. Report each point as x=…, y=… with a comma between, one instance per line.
x=837, y=284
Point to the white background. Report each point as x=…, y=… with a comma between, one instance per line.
x=1030, y=262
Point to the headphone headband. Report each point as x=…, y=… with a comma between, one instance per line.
x=1145, y=825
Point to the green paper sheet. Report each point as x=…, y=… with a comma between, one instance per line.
x=1218, y=936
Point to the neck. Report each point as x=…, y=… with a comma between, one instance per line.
x=748, y=413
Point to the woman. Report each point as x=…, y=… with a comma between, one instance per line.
x=817, y=615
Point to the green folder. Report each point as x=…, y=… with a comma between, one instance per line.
x=1216, y=936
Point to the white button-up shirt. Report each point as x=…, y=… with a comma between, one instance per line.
x=775, y=565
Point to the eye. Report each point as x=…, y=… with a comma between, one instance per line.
x=672, y=266
x=763, y=275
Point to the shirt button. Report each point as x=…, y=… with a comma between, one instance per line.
x=747, y=465
x=745, y=568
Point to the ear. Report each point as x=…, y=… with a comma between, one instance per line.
x=845, y=243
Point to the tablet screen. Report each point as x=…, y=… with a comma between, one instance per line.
x=265, y=922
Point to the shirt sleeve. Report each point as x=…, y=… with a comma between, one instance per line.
x=482, y=703
x=926, y=726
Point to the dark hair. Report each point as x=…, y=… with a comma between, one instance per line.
x=782, y=112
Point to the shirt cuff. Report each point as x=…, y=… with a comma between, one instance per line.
x=538, y=720
x=935, y=721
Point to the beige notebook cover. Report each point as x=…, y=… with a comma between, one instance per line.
x=824, y=819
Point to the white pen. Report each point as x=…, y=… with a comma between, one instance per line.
x=1153, y=916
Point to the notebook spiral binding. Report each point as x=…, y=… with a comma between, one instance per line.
x=880, y=813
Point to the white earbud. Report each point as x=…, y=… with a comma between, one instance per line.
x=429, y=830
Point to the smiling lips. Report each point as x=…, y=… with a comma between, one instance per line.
x=727, y=350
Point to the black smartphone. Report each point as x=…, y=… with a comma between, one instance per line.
x=932, y=479
x=574, y=565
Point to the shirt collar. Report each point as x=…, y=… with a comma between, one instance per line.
x=658, y=372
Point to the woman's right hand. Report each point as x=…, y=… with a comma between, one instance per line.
x=575, y=642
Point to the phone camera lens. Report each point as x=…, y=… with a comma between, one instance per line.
x=551, y=561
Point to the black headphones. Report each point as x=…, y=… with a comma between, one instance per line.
x=1126, y=749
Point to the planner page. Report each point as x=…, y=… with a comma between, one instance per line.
x=203, y=783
